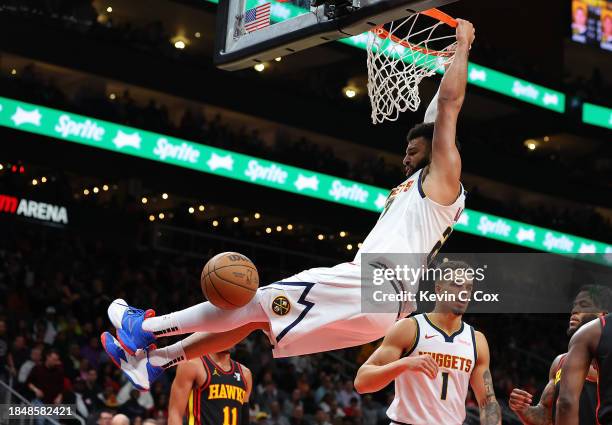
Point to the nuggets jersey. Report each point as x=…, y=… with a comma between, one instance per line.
x=603, y=356
x=588, y=398
x=219, y=401
x=411, y=222
x=420, y=400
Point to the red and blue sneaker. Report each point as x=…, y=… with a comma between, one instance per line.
x=128, y=322
x=137, y=367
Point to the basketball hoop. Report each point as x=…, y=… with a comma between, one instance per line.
x=402, y=53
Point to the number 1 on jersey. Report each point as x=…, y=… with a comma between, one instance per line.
x=226, y=416
x=444, y=385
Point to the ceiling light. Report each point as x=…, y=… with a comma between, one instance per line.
x=201, y=208
x=13, y=71
x=279, y=228
x=235, y=219
x=350, y=92
x=342, y=234
x=320, y=237
x=259, y=67
x=164, y=195
x=86, y=192
x=546, y=139
x=179, y=44
x=349, y=247
x=34, y=182
x=144, y=200
x=43, y=179
x=215, y=223
x=151, y=217
x=197, y=34
x=278, y=59
x=96, y=190
x=105, y=187
x=161, y=216
x=268, y=230
x=112, y=96
x=289, y=226
x=531, y=144
x=257, y=216
x=109, y=9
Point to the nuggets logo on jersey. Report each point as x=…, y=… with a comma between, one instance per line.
x=281, y=305
x=448, y=361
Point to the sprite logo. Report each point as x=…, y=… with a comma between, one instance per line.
x=498, y=227
x=183, y=152
x=272, y=173
x=87, y=129
x=352, y=193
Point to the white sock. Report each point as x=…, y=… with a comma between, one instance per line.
x=205, y=317
x=168, y=356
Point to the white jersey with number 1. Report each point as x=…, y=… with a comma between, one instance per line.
x=420, y=400
x=320, y=309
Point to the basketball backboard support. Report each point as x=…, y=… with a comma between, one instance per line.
x=244, y=37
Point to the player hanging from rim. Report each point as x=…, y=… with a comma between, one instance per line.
x=592, y=343
x=212, y=390
x=321, y=307
x=589, y=305
x=433, y=359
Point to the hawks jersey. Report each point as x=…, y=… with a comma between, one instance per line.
x=219, y=400
x=420, y=400
x=603, y=355
x=411, y=223
x=588, y=397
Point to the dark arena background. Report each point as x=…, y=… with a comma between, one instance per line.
x=279, y=162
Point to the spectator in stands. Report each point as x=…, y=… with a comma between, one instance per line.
x=276, y=417
x=18, y=354
x=321, y=418
x=145, y=399
x=46, y=381
x=346, y=393
x=4, y=366
x=297, y=417
x=104, y=417
x=132, y=408
x=369, y=410
x=28, y=365
x=92, y=392
x=120, y=419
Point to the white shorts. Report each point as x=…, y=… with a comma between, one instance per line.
x=320, y=310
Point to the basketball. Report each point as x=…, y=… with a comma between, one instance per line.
x=229, y=280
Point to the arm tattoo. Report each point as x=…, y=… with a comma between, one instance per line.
x=542, y=413
x=490, y=412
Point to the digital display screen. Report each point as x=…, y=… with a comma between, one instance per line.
x=592, y=22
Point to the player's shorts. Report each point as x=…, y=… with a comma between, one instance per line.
x=320, y=310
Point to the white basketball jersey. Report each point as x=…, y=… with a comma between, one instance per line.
x=420, y=400
x=411, y=222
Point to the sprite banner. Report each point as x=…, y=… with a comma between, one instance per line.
x=480, y=76
x=597, y=115
x=125, y=140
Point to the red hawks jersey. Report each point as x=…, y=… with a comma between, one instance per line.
x=411, y=223
x=420, y=400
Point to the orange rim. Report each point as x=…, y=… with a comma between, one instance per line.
x=441, y=16
x=432, y=13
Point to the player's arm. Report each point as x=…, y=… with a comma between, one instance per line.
x=575, y=369
x=442, y=181
x=246, y=410
x=482, y=384
x=386, y=363
x=540, y=414
x=186, y=376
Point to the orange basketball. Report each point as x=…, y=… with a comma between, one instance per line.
x=229, y=280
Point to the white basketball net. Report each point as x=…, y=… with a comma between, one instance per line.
x=400, y=55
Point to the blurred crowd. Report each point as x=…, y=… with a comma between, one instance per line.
x=57, y=286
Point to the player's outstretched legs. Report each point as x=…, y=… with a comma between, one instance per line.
x=145, y=366
x=137, y=329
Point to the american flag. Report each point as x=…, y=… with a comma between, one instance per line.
x=257, y=17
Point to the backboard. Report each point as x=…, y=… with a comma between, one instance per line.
x=253, y=31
